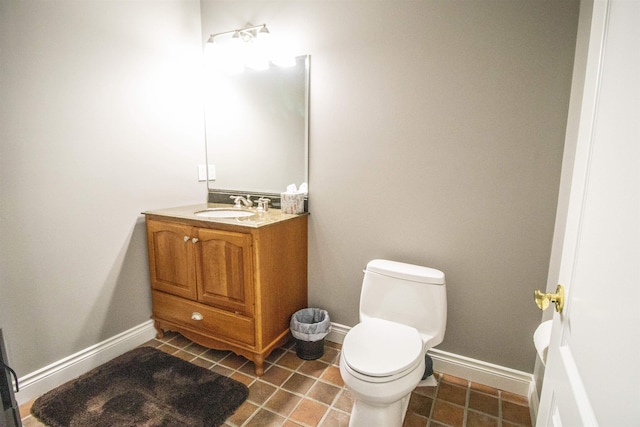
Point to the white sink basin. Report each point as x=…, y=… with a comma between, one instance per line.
x=224, y=213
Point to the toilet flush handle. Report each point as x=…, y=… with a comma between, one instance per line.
x=543, y=300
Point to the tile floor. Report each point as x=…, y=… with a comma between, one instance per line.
x=294, y=392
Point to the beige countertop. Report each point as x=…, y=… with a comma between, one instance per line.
x=259, y=219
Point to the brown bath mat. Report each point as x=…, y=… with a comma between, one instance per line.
x=144, y=387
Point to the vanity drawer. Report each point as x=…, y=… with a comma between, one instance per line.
x=210, y=321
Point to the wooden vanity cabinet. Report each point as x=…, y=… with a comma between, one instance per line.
x=225, y=286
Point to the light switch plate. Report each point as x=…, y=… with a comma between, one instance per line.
x=202, y=172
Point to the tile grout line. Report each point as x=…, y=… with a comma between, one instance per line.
x=260, y=406
x=280, y=388
x=305, y=396
x=433, y=399
x=467, y=399
x=499, y=408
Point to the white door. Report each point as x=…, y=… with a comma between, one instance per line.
x=592, y=374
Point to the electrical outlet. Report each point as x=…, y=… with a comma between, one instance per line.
x=202, y=172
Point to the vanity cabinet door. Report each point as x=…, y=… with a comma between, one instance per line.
x=224, y=270
x=171, y=255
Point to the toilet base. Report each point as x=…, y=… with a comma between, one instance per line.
x=428, y=382
x=367, y=415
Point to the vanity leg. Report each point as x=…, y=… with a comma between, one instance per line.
x=258, y=360
x=160, y=332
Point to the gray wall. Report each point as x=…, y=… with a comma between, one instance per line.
x=100, y=120
x=436, y=138
x=437, y=131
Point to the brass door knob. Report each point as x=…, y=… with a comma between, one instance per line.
x=543, y=300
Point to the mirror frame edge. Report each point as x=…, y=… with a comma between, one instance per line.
x=218, y=195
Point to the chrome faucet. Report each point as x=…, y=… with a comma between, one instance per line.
x=263, y=204
x=239, y=201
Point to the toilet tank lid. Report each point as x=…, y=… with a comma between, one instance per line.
x=405, y=271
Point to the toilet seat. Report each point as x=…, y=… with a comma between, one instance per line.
x=378, y=349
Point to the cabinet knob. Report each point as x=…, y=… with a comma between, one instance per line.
x=195, y=240
x=185, y=238
x=196, y=316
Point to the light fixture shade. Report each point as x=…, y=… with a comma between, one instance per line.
x=252, y=47
x=263, y=34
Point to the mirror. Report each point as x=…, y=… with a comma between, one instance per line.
x=256, y=125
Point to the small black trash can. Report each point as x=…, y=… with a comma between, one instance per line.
x=309, y=326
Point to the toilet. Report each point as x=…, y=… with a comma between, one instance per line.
x=403, y=313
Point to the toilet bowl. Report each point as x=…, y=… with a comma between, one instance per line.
x=381, y=362
x=403, y=314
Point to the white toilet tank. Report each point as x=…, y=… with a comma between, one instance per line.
x=408, y=294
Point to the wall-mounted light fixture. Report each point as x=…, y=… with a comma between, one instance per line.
x=250, y=47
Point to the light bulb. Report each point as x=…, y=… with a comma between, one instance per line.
x=284, y=61
x=255, y=57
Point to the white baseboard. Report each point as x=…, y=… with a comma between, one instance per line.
x=496, y=376
x=41, y=381
x=469, y=369
x=337, y=333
